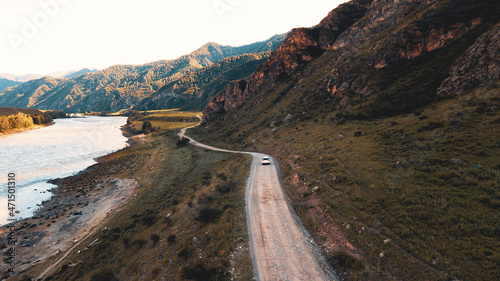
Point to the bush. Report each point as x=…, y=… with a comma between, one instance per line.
x=182, y=142
x=147, y=127
x=171, y=239
x=225, y=187
x=155, y=238
x=199, y=272
x=208, y=215
x=345, y=261
x=140, y=243
x=37, y=119
x=103, y=275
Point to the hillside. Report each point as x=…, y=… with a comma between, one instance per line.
x=121, y=86
x=5, y=83
x=384, y=120
x=195, y=89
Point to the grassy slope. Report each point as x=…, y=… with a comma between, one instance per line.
x=186, y=222
x=441, y=217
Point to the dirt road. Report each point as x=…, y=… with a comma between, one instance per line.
x=281, y=248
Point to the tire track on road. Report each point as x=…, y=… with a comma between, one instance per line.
x=280, y=246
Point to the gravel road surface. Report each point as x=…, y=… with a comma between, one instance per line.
x=281, y=248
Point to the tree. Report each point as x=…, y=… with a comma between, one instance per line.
x=147, y=127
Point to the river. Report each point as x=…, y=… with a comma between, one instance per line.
x=56, y=151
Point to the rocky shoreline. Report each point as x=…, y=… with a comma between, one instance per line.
x=79, y=205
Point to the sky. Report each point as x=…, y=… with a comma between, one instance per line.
x=46, y=36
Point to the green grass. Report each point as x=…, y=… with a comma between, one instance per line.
x=125, y=112
x=164, y=120
x=186, y=220
x=441, y=218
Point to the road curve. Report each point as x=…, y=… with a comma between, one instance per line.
x=281, y=248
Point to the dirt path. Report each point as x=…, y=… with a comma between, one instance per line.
x=281, y=248
x=78, y=229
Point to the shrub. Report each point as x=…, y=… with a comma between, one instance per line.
x=140, y=242
x=147, y=127
x=185, y=254
x=103, y=275
x=155, y=238
x=182, y=142
x=171, y=239
x=37, y=119
x=225, y=187
x=345, y=261
x=207, y=215
x=199, y=272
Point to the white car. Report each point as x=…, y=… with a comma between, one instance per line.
x=266, y=160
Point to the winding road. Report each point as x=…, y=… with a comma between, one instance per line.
x=280, y=246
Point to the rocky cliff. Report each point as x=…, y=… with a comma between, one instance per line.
x=380, y=54
x=478, y=66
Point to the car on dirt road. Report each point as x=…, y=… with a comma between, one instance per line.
x=266, y=160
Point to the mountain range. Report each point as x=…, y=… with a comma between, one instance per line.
x=5, y=83
x=20, y=78
x=123, y=86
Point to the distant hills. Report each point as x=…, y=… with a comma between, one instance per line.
x=193, y=90
x=20, y=78
x=71, y=73
x=10, y=80
x=123, y=86
x=5, y=83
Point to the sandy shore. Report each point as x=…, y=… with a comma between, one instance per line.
x=77, y=208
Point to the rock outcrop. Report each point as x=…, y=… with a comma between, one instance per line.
x=386, y=48
x=478, y=66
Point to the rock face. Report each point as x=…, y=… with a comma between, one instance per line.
x=226, y=100
x=301, y=46
x=479, y=65
x=382, y=48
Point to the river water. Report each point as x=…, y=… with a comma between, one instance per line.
x=57, y=151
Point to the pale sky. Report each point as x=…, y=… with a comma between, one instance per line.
x=44, y=36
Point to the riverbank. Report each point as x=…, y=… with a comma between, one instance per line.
x=35, y=127
x=78, y=206
x=185, y=216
